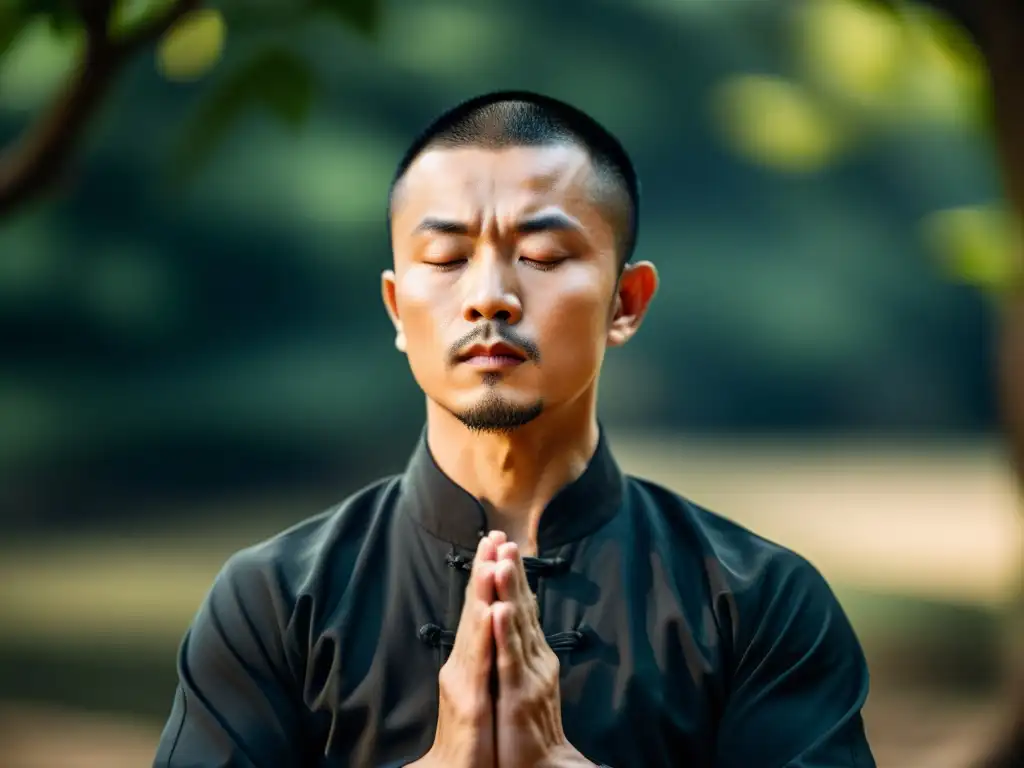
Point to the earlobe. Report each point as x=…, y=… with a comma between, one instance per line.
x=617, y=335
x=637, y=286
x=387, y=291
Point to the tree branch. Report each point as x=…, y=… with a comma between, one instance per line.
x=36, y=161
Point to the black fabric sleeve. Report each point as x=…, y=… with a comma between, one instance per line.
x=237, y=704
x=800, y=680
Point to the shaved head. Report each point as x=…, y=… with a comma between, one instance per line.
x=508, y=119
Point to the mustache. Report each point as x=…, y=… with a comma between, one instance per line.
x=492, y=332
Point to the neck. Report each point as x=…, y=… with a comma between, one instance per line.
x=515, y=475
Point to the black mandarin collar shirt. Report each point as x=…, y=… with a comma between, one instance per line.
x=445, y=510
x=684, y=639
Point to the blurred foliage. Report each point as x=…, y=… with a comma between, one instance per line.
x=230, y=335
x=44, y=42
x=277, y=80
x=868, y=67
x=192, y=45
x=978, y=244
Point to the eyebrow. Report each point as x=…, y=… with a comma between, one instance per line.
x=553, y=221
x=544, y=222
x=441, y=227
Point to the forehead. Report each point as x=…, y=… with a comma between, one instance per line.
x=471, y=181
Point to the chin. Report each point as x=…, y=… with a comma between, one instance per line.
x=492, y=410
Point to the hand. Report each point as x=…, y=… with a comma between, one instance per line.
x=528, y=709
x=465, y=722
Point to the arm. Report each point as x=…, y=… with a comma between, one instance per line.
x=800, y=680
x=237, y=702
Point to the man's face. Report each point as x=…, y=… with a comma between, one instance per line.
x=506, y=290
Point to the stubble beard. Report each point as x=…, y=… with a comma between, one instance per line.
x=495, y=414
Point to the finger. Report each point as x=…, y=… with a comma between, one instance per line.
x=509, y=647
x=498, y=537
x=510, y=574
x=474, y=638
x=512, y=586
x=481, y=587
x=481, y=576
x=474, y=630
x=487, y=549
x=508, y=550
x=479, y=650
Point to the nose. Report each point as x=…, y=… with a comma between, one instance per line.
x=493, y=293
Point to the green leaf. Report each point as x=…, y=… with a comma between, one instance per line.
x=128, y=15
x=855, y=51
x=361, y=15
x=977, y=245
x=777, y=123
x=276, y=80
x=193, y=46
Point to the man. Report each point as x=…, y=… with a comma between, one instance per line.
x=603, y=620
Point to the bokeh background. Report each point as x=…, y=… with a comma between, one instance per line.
x=194, y=354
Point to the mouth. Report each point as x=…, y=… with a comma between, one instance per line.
x=493, y=356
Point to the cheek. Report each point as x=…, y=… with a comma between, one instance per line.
x=426, y=311
x=575, y=325
x=582, y=303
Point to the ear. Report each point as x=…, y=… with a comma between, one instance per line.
x=637, y=285
x=387, y=293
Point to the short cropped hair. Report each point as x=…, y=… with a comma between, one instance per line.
x=525, y=119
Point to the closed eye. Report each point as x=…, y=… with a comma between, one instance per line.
x=545, y=264
x=447, y=266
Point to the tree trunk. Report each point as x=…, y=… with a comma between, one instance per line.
x=999, y=26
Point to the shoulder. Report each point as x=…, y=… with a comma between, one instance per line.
x=260, y=607
x=685, y=524
x=281, y=568
x=751, y=578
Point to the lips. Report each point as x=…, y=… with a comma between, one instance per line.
x=500, y=351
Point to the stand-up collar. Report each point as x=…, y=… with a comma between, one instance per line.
x=450, y=513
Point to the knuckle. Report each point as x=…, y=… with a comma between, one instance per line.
x=445, y=678
x=551, y=685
